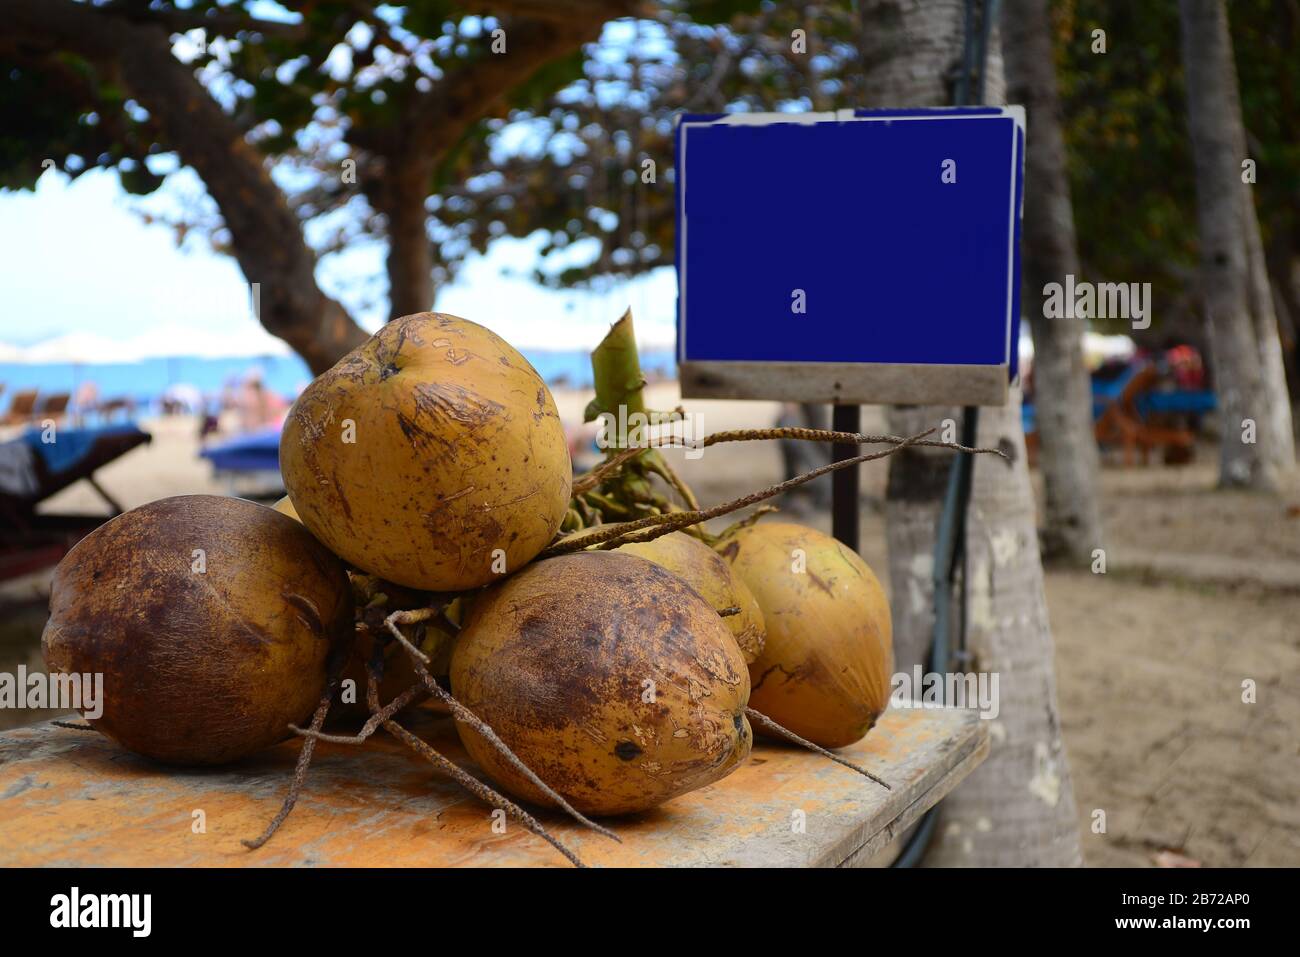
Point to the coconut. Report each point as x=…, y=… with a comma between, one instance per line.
x=826, y=665
x=432, y=456
x=285, y=507
x=608, y=676
x=704, y=570
x=211, y=619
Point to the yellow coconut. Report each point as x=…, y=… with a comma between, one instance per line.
x=608, y=676
x=704, y=570
x=826, y=665
x=285, y=507
x=432, y=456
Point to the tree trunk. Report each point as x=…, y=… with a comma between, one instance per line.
x=399, y=194
x=1018, y=807
x=1284, y=274
x=1233, y=278
x=1062, y=391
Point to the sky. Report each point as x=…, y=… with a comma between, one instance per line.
x=82, y=273
x=79, y=265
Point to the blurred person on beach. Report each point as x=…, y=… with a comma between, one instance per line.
x=258, y=406
x=85, y=400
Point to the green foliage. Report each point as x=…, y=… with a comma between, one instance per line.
x=340, y=85
x=1131, y=167
x=68, y=116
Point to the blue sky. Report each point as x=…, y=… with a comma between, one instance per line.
x=77, y=261
x=77, y=258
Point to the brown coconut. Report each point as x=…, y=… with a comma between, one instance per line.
x=704, y=570
x=607, y=675
x=211, y=620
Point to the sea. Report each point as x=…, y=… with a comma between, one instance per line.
x=145, y=381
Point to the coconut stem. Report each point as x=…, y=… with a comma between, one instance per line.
x=591, y=479
x=619, y=385
x=612, y=536
x=770, y=725
x=616, y=370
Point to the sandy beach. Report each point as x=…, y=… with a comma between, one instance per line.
x=1202, y=589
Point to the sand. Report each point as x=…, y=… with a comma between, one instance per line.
x=1202, y=592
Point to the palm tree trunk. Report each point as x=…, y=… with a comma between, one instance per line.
x=1247, y=355
x=1018, y=807
x=1062, y=392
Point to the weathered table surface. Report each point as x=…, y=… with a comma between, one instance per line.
x=75, y=798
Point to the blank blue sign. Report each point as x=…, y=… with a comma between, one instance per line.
x=899, y=230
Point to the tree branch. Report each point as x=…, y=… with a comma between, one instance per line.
x=266, y=236
x=432, y=123
x=223, y=22
x=435, y=121
x=571, y=10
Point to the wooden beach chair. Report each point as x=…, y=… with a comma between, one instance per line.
x=21, y=407
x=53, y=407
x=32, y=472
x=1124, y=423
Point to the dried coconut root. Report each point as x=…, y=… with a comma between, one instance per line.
x=474, y=721
x=462, y=777
x=654, y=526
x=768, y=724
x=373, y=723
x=299, y=771
x=592, y=479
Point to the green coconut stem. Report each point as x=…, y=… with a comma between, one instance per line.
x=620, y=383
x=616, y=371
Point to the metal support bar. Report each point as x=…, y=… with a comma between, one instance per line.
x=845, y=482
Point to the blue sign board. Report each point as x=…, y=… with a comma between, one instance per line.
x=859, y=256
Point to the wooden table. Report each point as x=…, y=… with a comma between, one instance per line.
x=75, y=798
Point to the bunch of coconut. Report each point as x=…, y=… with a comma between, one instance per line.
x=604, y=654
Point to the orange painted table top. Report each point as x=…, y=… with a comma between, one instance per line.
x=75, y=798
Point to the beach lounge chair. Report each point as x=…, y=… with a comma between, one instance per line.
x=1124, y=422
x=249, y=463
x=32, y=470
x=21, y=407
x=53, y=407
x=1132, y=413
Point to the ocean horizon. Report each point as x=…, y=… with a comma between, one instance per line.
x=145, y=380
